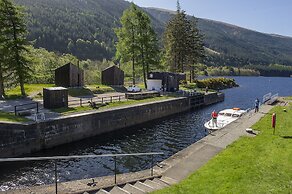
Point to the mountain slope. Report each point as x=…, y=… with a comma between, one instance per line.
x=236, y=42
x=85, y=29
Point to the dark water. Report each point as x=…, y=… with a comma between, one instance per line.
x=168, y=135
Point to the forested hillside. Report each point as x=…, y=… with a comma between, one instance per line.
x=84, y=28
x=238, y=46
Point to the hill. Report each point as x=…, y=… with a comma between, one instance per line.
x=84, y=28
x=236, y=44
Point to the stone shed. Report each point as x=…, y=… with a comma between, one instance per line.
x=112, y=76
x=69, y=75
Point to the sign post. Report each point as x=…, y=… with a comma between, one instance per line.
x=274, y=118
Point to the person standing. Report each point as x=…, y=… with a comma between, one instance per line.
x=214, y=118
x=256, y=105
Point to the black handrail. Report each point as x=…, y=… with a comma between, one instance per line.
x=33, y=103
x=56, y=158
x=102, y=100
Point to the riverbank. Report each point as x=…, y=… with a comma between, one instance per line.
x=177, y=167
x=19, y=138
x=261, y=164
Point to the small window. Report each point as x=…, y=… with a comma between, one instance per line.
x=228, y=114
x=235, y=115
x=221, y=114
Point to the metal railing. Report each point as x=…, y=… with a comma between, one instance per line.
x=267, y=97
x=56, y=158
x=35, y=106
x=82, y=101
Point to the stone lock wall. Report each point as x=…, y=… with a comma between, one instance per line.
x=33, y=137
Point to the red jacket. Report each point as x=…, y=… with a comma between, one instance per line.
x=214, y=115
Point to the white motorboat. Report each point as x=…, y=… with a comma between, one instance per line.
x=224, y=118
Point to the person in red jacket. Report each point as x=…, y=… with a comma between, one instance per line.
x=214, y=118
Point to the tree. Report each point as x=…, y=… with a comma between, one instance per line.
x=2, y=58
x=137, y=41
x=182, y=43
x=196, y=51
x=148, y=44
x=14, y=31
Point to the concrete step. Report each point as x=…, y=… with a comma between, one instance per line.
x=153, y=184
x=133, y=189
x=168, y=180
x=144, y=186
x=118, y=190
x=156, y=180
x=102, y=191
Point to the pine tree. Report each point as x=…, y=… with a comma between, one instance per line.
x=14, y=30
x=182, y=43
x=137, y=41
x=196, y=51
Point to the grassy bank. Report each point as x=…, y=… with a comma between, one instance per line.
x=10, y=117
x=30, y=89
x=66, y=111
x=251, y=165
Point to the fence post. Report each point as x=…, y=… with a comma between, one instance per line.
x=111, y=99
x=80, y=101
x=119, y=98
x=56, y=177
x=152, y=165
x=15, y=111
x=101, y=100
x=115, y=160
x=37, y=104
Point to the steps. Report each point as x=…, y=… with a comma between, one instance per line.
x=138, y=187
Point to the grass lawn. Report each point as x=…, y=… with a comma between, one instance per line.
x=288, y=98
x=30, y=89
x=66, y=111
x=76, y=92
x=100, y=89
x=4, y=116
x=131, y=102
x=36, y=90
x=262, y=164
x=70, y=110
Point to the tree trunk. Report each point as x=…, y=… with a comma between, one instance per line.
x=144, y=68
x=133, y=64
x=2, y=91
x=21, y=83
x=133, y=53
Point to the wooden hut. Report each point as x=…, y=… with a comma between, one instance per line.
x=112, y=76
x=69, y=75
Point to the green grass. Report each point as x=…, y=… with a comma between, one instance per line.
x=66, y=111
x=262, y=164
x=10, y=117
x=288, y=98
x=100, y=89
x=132, y=102
x=70, y=110
x=76, y=92
x=30, y=89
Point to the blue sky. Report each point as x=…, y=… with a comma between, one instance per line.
x=269, y=16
